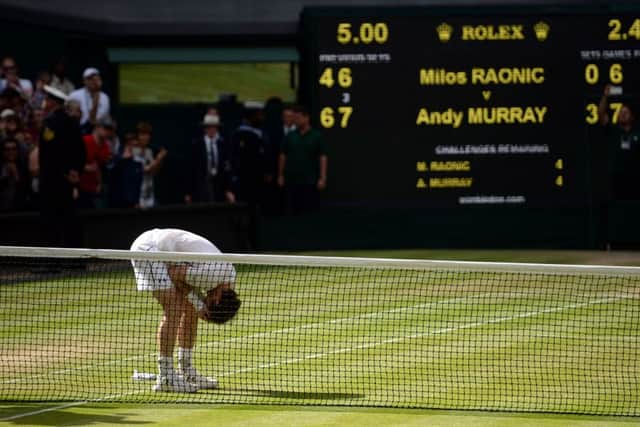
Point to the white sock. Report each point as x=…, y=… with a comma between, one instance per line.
x=165, y=366
x=184, y=359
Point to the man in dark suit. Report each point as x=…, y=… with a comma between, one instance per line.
x=250, y=157
x=208, y=176
x=62, y=158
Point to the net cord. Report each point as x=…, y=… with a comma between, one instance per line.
x=315, y=261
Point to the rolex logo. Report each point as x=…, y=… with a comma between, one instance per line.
x=542, y=30
x=444, y=32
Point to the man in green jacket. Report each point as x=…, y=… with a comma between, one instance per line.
x=302, y=165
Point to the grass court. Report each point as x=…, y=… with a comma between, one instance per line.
x=337, y=346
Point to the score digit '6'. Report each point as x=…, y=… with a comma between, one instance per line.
x=592, y=74
x=328, y=120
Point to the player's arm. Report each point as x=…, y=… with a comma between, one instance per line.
x=603, y=116
x=178, y=275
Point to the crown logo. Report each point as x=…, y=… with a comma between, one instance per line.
x=542, y=31
x=444, y=32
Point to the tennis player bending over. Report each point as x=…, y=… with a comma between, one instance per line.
x=186, y=292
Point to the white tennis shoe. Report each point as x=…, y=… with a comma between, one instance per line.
x=174, y=384
x=200, y=381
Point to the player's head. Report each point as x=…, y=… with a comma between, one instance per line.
x=222, y=304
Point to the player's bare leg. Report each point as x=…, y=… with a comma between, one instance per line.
x=187, y=333
x=173, y=305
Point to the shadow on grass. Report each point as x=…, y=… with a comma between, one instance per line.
x=62, y=416
x=293, y=395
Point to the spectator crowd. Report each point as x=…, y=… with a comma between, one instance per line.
x=61, y=151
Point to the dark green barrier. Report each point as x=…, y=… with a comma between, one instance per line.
x=474, y=227
x=226, y=225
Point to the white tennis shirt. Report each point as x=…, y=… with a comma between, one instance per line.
x=175, y=240
x=203, y=275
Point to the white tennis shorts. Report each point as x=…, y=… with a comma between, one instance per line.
x=151, y=275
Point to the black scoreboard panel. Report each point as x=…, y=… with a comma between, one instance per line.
x=447, y=107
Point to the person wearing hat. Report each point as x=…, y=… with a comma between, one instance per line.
x=94, y=103
x=208, y=178
x=61, y=159
x=7, y=119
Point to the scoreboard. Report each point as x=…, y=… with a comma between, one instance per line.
x=483, y=106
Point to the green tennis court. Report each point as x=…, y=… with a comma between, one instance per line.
x=341, y=344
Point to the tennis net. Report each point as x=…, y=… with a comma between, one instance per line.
x=330, y=331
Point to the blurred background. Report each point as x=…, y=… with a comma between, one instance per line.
x=298, y=126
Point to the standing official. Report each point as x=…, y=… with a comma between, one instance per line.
x=208, y=175
x=249, y=156
x=302, y=167
x=61, y=157
x=623, y=149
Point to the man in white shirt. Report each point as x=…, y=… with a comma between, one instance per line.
x=185, y=291
x=94, y=103
x=59, y=79
x=10, y=79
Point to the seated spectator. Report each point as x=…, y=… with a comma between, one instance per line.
x=126, y=175
x=33, y=165
x=10, y=78
x=73, y=110
x=34, y=172
x=13, y=178
x=17, y=102
x=114, y=141
x=11, y=124
x=59, y=79
x=4, y=115
x=94, y=103
x=12, y=128
x=152, y=163
x=39, y=94
x=37, y=118
x=97, y=155
x=209, y=166
x=302, y=168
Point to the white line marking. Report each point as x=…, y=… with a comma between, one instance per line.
x=257, y=335
x=422, y=335
x=68, y=405
x=42, y=411
x=345, y=350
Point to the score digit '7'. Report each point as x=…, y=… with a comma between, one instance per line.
x=328, y=118
x=345, y=80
